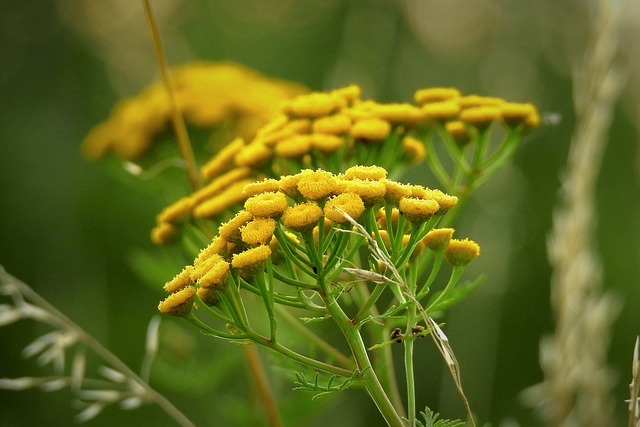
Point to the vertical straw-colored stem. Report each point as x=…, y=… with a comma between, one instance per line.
x=262, y=385
x=176, y=117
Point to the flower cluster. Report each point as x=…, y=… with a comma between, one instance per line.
x=300, y=216
x=208, y=94
x=337, y=129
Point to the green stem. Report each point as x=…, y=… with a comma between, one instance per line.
x=408, y=365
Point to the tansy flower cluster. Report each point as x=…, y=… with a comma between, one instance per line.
x=299, y=217
x=208, y=94
x=337, y=129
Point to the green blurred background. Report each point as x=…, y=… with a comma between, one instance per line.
x=70, y=227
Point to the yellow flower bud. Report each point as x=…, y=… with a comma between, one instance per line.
x=230, y=231
x=179, y=303
x=180, y=281
x=441, y=111
x=438, y=239
x=459, y=253
x=217, y=275
x=326, y=143
x=413, y=150
x=313, y=105
x=267, y=205
x=348, y=93
x=417, y=210
x=253, y=155
x=175, y=212
x=435, y=94
x=471, y=101
x=366, y=172
x=317, y=185
x=396, y=191
x=294, y=147
x=265, y=186
x=164, y=233
x=337, y=124
x=223, y=201
x=250, y=260
x=220, y=184
x=258, y=231
x=480, y=117
x=350, y=203
x=222, y=159
x=302, y=217
x=459, y=131
x=371, y=129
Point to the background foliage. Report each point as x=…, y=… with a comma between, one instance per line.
x=71, y=228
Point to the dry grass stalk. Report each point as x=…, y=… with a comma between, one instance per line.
x=577, y=385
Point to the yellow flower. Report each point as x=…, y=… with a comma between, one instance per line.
x=459, y=131
x=217, y=246
x=217, y=275
x=435, y=94
x=366, y=172
x=413, y=150
x=445, y=200
x=302, y=217
x=230, y=231
x=163, y=233
x=398, y=113
x=418, y=210
x=178, y=303
x=514, y=114
x=180, y=281
x=223, y=201
x=441, y=111
x=219, y=184
x=317, y=185
x=326, y=143
x=471, y=101
x=298, y=127
x=369, y=190
x=373, y=129
x=438, y=238
x=350, y=203
x=204, y=266
x=348, y=93
x=267, y=205
x=312, y=105
x=175, y=212
x=221, y=161
x=337, y=124
x=264, y=186
x=258, y=231
x=480, y=117
x=459, y=253
x=251, y=258
x=253, y=155
x=396, y=191
x=294, y=147
x=289, y=184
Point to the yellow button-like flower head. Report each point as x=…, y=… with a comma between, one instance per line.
x=164, y=233
x=267, y=205
x=373, y=129
x=313, y=105
x=417, y=210
x=366, y=172
x=350, y=203
x=338, y=124
x=264, y=186
x=441, y=111
x=179, y=303
x=459, y=253
x=480, y=117
x=230, y=231
x=413, y=150
x=435, y=94
x=458, y=129
x=438, y=239
x=259, y=231
x=217, y=275
x=370, y=191
x=317, y=185
x=326, y=143
x=302, y=217
x=250, y=260
x=396, y=191
x=180, y=281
